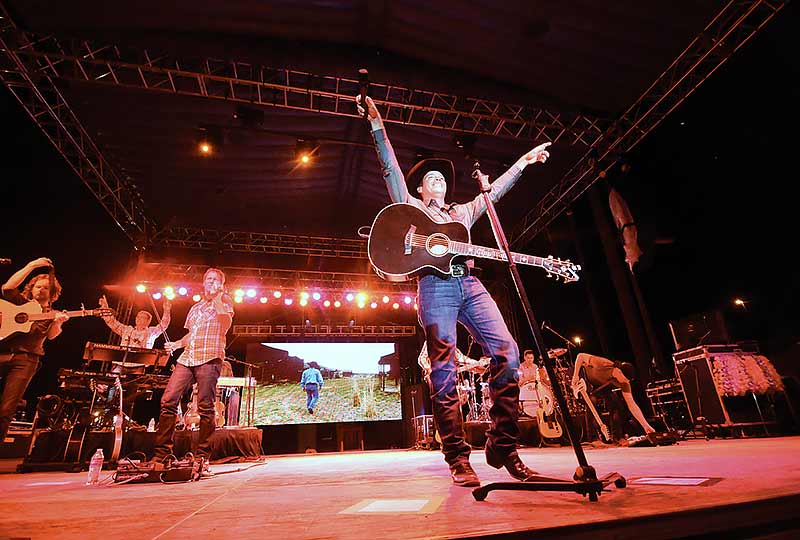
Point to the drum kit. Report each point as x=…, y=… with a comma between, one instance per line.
x=538, y=393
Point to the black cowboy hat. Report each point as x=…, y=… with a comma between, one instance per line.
x=418, y=171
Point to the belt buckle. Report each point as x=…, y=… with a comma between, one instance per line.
x=458, y=270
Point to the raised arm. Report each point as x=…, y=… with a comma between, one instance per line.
x=20, y=275
x=166, y=317
x=392, y=174
x=506, y=181
x=112, y=322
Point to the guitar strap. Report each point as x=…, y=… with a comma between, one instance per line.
x=51, y=278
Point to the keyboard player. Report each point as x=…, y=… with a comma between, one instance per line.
x=141, y=334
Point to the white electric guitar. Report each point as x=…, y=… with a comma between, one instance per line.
x=15, y=319
x=603, y=428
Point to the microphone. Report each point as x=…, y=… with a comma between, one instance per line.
x=5, y=261
x=363, y=83
x=476, y=168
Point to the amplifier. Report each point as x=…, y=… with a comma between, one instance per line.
x=136, y=472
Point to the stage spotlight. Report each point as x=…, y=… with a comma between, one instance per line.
x=361, y=297
x=316, y=296
x=209, y=140
x=305, y=150
x=407, y=300
x=361, y=304
x=395, y=305
x=169, y=291
x=238, y=292
x=169, y=296
x=238, y=299
x=196, y=298
x=156, y=295
x=327, y=303
x=349, y=297
x=416, y=307
x=385, y=299
x=287, y=301
x=263, y=299
x=251, y=293
x=183, y=291
x=141, y=287
x=304, y=295
x=337, y=304
x=304, y=301
x=277, y=294
x=577, y=340
x=373, y=305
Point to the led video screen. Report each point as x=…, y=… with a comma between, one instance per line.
x=360, y=382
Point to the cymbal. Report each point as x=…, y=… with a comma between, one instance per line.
x=554, y=353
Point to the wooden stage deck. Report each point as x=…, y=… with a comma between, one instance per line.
x=752, y=491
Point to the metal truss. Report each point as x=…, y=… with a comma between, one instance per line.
x=45, y=104
x=733, y=26
x=254, y=84
x=235, y=276
x=322, y=331
x=266, y=243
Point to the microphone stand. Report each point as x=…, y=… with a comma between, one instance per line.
x=585, y=479
x=569, y=343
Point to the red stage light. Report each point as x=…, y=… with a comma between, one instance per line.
x=196, y=298
x=277, y=294
x=396, y=305
x=337, y=304
x=327, y=303
x=141, y=287
x=263, y=299
x=385, y=299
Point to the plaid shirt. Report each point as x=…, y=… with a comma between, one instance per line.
x=206, y=338
x=132, y=337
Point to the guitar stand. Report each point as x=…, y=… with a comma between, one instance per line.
x=584, y=481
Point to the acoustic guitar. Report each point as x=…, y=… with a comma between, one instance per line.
x=15, y=319
x=404, y=241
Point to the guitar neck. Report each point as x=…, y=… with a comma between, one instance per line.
x=596, y=415
x=481, y=252
x=51, y=314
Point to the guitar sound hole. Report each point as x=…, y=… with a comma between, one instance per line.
x=438, y=245
x=21, y=318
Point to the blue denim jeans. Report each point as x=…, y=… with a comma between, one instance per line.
x=312, y=395
x=205, y=375
x=442, y=304
x=16, y=371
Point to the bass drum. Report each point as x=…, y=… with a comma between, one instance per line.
x=533, y=396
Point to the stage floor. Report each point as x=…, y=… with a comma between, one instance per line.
x=751, y=485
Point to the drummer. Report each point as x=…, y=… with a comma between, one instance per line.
x=528, y=367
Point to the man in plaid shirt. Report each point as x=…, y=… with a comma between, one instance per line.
x=201, y=361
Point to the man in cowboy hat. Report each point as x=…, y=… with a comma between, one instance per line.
x=460, y=298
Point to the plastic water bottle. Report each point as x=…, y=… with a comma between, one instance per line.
x=95, y=465
x=151, y=427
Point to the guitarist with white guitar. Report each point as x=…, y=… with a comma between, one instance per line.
x=599, y=372
x=458, y=297
x=21, y=352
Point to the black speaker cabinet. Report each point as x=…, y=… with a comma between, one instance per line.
x=705, y=399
